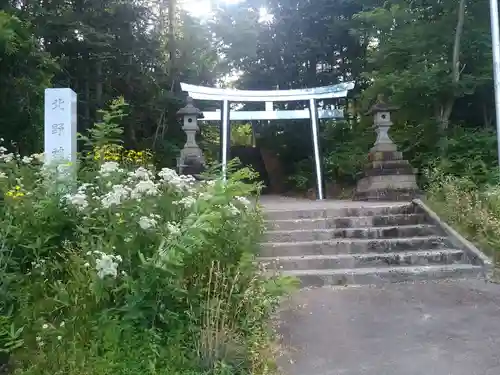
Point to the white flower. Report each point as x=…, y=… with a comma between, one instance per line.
x=38, y=339
x=84, y=186
x=3, y=175
x=144, y=187
x=45, y=326
x=147, y=222
x=108, y=168
x=79, y=200
x=141, y=173
x=64, y=170
x=27, y=159
x=39, y=157
x=243, y=200
x=170, y=176
x=59, y=338
x=167, y=174
x=184, y=181
x=187, y=202
x=87, y=265
x=3, y=150
x=106, y=265
x=62, y=324
x=232, y=209
x=205, y=196
x=117, y=195
x=7, y=157
x=173, y=228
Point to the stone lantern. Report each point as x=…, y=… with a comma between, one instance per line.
x=387, y=176
x=191, y=160
x=381, y=113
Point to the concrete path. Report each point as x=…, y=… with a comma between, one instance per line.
x=433, y=328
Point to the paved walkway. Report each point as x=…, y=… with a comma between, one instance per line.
x=435, y=328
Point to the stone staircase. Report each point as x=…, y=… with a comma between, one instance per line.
x=336, y=245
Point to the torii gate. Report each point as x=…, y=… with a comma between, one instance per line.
x=227, y=96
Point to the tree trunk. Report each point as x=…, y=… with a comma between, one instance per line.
x=447, y=108
x=86, y=111
x=98, y=88
x=487, y=118
x=172, y=45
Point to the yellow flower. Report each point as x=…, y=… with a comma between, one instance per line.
x=14, y=193
x=18, y=187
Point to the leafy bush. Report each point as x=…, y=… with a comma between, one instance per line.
x=344, y=152
x=473, y=209
x=130, y=271
x=470, y=152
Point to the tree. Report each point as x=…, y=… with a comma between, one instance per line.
x=26, y=71
x=305, y=45
x=110, y=48
x=420, y=56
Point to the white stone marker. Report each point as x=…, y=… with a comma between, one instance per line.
x=60, y=126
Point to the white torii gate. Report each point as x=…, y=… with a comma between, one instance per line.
x=226, y=96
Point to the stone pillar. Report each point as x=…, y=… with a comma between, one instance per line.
x=191, y=160
x=387, y=176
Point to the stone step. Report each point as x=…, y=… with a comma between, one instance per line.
x=369, y=210
x=346, y=222
x=381, y=275
x=420, y=258
x=353, y=246
x=372, y=233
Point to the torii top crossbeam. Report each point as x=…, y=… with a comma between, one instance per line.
x=326, y=92
x=268, y=96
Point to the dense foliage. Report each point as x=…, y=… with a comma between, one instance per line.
x=140, y=50
x=430, y=58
